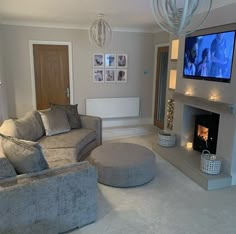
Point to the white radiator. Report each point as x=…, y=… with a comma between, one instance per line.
x=113, y=107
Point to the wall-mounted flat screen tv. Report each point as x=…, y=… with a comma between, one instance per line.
x=209, y=56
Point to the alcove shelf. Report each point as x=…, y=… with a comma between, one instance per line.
x=174, y=50
x=174, y=53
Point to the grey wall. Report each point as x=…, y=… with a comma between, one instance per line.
x=161, y=37
x=3, y=99
x=138, y=46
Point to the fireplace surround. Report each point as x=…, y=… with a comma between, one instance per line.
x=187, y=107
x=188, y=160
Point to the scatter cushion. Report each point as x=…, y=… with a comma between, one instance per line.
x=6, y=168
x=9, y=128
x=25, y=156
x=55, y=121
x=72, y=114
x=29, y=127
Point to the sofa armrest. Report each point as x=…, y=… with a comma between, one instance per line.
x=94, y=123
x=52, y=201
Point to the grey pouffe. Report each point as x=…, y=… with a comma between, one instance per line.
x=123, y=164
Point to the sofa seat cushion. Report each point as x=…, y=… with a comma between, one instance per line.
x=60, y=157
x=77, y=138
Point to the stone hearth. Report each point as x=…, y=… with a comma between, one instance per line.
x=188, y=161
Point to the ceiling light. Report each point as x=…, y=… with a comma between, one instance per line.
x=180, y=16
x=100, y=32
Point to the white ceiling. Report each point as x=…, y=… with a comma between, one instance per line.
x=132, y=15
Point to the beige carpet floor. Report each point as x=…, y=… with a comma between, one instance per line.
x=169, y=204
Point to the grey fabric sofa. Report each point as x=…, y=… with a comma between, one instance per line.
x=62, y=148
x=50, y=201
x=57, y=199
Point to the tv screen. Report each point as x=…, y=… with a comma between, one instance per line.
x=209, y=57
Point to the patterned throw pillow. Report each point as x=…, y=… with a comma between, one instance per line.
x=25, y=156
x=72, y=114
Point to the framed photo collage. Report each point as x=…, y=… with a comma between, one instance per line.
x=110, y=68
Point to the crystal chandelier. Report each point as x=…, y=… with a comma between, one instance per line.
x=181, y=16
x=100, y=32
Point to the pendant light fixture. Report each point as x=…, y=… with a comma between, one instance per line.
x=181, y=16
x=100, y=32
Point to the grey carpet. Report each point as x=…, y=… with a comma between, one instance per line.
x=170, y=204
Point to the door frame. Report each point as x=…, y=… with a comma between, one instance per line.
x=154, y=76
x=69, y=44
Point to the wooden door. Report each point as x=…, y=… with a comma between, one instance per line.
x=161, y=81
x=51, y=66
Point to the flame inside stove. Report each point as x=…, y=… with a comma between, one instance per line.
x=202, y=132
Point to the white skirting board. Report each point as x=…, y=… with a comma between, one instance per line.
x=108, y=108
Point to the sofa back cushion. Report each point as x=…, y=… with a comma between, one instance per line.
x=29, y=127
x=25, y=156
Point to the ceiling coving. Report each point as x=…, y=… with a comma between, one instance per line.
x=123, y=15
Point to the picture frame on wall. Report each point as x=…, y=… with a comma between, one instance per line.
x=121, y=76
x=110, y=75
x=110, y=60
x=98, y=60
x=122, y=60
x=98, y=75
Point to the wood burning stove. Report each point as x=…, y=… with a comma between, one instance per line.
x=206, y=132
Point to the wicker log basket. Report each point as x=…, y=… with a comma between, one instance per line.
x=166, y=139
x=210, y=163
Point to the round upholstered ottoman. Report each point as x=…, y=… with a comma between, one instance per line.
x=123, y=164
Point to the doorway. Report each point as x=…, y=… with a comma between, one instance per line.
x=160, y=89
x=51, y=73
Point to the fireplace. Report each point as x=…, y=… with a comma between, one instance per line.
x=223, y=117
x=206, y=132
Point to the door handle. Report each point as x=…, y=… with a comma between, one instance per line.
x=68, y=92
